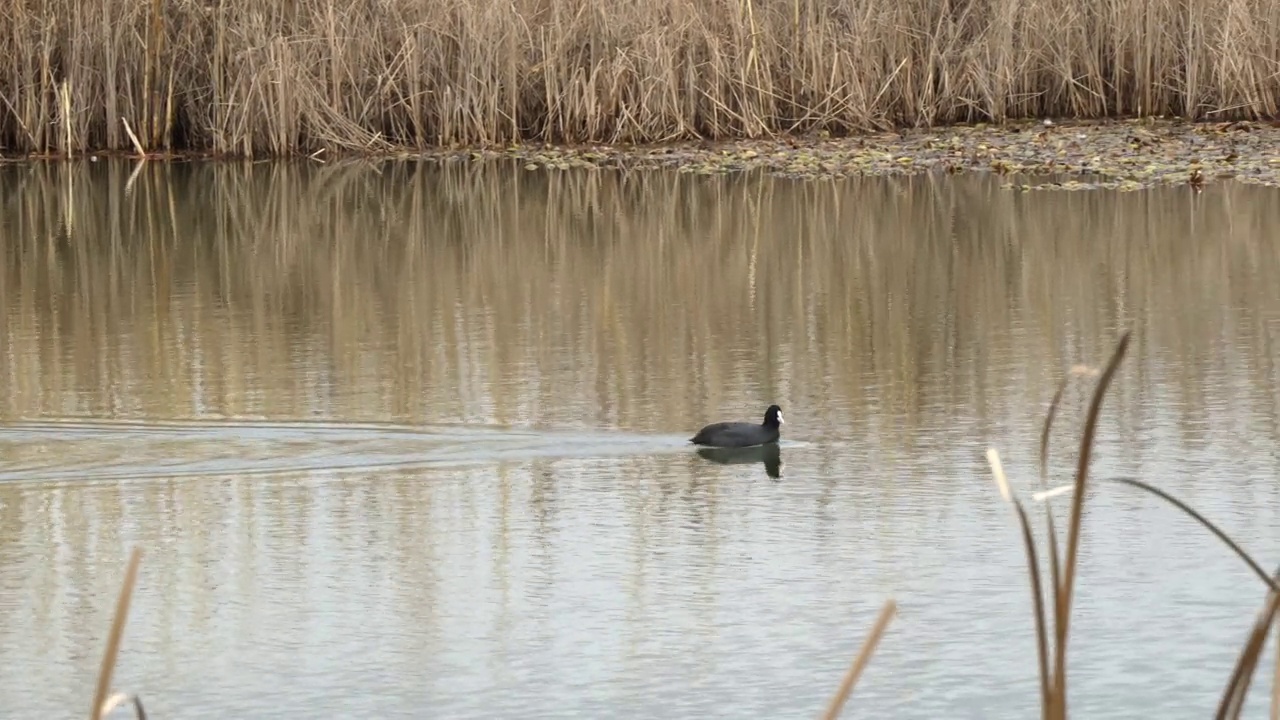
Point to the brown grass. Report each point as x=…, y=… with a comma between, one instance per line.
x=265, y=78
x=1053, y=628
x=860, y=661
x=102, y=703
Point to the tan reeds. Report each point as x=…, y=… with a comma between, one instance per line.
x=1275, y=684
x=102, y=704
x=1052, y=655
x=259, y=78
x=860, y=660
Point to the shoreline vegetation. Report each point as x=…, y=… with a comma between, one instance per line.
x=1117, y=155
x=331, y=78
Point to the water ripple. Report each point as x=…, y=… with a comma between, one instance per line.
x=96, y=450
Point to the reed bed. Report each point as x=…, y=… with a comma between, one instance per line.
x=298, y=77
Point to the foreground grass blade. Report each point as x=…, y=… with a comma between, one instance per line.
x=860, y=660
x=1073, y=529
x=119, y=699
x=1275, y=683
x=1221, y=535
x=113, y=639
x=1267, y=580
x=1033, y=564
x=1055, y=572
x=1238, y=686
x=1053, y=690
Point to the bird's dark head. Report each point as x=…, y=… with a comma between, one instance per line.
x=773, y=416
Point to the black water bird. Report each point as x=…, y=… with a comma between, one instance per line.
x=742, y=434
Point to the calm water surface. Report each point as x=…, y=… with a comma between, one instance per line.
x=407, y=441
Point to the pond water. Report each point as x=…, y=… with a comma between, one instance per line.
x=408, y=439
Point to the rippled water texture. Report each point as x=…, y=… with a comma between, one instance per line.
x=411, y=441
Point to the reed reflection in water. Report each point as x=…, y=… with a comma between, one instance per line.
x=403, y=436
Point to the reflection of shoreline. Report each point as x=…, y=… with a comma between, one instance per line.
x=769, y=455
x=495, y=296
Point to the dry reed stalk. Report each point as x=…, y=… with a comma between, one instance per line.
x=101, y=703
x=1232, y=702
x=1052, y=663
x=118, y=699
x=137, y=146
x=1047, y=695
x=860, y=660
x=153, y=49
x=1067, y=586
x=1234, y=696
x=1053, y=681
x=1267, y=580
x=1275, y=683
x=1055, y=572
x=64, y=109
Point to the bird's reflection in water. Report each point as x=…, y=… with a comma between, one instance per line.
x=769, y=454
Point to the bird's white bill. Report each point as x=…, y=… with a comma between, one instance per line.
x=780, y=420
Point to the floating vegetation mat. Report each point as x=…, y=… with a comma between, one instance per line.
x=1123, y=155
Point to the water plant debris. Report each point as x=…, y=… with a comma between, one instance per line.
x=1120, y=155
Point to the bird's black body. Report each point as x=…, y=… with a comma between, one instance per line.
x=742, y=434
